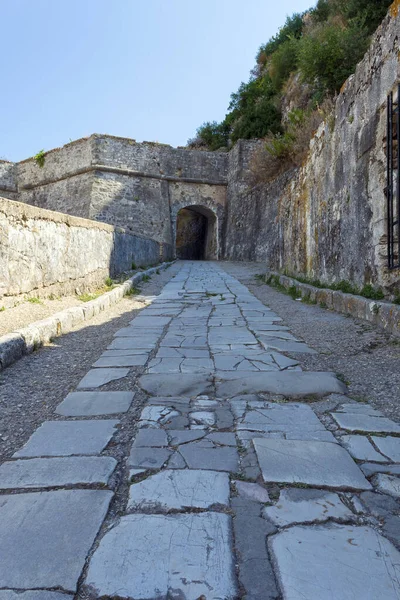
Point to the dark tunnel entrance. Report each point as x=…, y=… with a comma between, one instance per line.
x=195, y=233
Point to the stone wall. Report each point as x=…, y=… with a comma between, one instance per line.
x=139, y=187
x=326, y=220
x=44, y=252
x=8, y=184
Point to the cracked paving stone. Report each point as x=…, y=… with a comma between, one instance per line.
x=85, y=404
x=192, y=554
x=148, y=458
x=67, y=438
x=171, y=385
x=45, y=536
x=390, y=446
x=203, y=418
x=363, y=422
x=205, y=455
x=286, y=383
x=387, y=484
x=306, y=506
x=361, y=448
x=180, y=490
x=336, y=561
x=56, y=472
x=318, y=464
x=285, y=345
x=98, y=377
x=155, y=416
x=178, y=437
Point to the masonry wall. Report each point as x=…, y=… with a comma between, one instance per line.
x=139, y=187
x=8, y=184
x=326, y=220
x=44, y=252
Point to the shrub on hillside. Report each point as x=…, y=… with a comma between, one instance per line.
x=326, y=57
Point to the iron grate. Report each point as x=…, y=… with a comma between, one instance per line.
x=393, y=180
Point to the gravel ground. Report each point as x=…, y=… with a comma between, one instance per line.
x=363, y=356
x=28, y=312
x=31, y=388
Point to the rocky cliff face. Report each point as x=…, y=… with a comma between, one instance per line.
x=326, y=220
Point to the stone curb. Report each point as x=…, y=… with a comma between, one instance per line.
x=24, y=341
x=384, y=315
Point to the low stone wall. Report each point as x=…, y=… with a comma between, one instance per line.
x=24, y=341
x=384, y=315
x=44, y=252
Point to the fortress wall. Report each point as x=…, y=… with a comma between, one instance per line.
x=326, y=220
x=8, y=185
x=126, y=184
x=44, y=252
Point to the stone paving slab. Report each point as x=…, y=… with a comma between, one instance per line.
x=180, y=365
x=97, y=377
x=67, y=438
x=180, y=490
x=139, y=343
x=255, y=570
x=56, y=472
x=336, y=561
x=152, y=334
x=150, y=321
x=148, y=458
x=306, y=506
x=45, y=536
x=361, y=448
x=134, y=360
x=85, y=404
x=171, y=385
x=290, y=383
x=205, y=455
x=387, y=484
x=155, y=438
x=362, y=422
x=162, y=556
x=318, y=464
x=126, y=352
x=166, y=352
x=390, y=446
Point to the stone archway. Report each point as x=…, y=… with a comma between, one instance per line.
x=196, y=233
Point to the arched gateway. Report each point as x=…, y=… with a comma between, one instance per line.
x=196, y=233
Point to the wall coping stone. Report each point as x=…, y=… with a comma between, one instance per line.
x=16, y=344
x=380, y=313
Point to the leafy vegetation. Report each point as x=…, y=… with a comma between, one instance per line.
x=302, y=66
x=40, y=158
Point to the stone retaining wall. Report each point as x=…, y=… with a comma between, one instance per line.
x=382, y=314
x=44, y=252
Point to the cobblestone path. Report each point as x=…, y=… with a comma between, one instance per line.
x=243, y=476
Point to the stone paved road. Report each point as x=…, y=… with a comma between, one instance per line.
x=244, y=476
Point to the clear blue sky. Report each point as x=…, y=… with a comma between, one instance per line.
x=147, y=69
